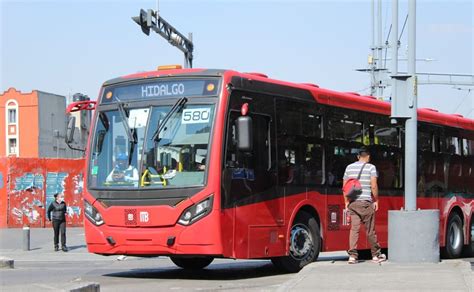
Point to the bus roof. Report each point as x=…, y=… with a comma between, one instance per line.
x=350, y=100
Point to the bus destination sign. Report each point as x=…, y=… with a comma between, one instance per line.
x=161, y=89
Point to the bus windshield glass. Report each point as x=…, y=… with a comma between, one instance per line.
x=151, y=147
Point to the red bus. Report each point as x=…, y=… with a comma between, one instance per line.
x=197, y=164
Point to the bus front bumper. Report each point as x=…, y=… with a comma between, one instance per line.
x=173, y=240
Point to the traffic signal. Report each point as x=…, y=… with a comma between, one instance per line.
x=144, y=20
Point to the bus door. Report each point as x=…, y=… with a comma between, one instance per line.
x=249, y=184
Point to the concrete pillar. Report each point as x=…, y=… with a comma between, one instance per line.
x=26, y=238
x=413, y=236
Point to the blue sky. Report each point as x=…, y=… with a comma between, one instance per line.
x=65, y=47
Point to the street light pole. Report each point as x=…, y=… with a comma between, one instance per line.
x=411, y=130
x=152, y=20
x=402, y=225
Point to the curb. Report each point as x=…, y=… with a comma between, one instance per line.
x=463, y=268
x=85, y=287
x=298, y=277
x=6, y=263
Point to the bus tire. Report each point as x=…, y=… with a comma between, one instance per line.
x=196, y=263
x=305, y=243
x=454, y=237
x=469, y=248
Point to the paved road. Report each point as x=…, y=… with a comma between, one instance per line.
x=42, y=269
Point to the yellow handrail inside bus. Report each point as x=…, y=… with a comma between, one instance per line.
x=151, y=176
x=142, y=179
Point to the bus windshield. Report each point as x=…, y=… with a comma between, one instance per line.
x=151, y=147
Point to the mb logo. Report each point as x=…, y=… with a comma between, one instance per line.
x=144, y=216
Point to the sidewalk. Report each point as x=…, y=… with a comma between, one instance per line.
x=337, y=275
x=41, y=245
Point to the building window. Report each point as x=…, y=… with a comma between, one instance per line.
x=12, y=116
x=12, y=146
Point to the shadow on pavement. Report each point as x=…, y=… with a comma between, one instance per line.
x=332, y=258
x=73, y=247
x=217, y=271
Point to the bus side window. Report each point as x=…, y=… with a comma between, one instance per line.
x=299, y=128
x=347, y=130
x=470, y=161
x=314, y=173
x=340, y=157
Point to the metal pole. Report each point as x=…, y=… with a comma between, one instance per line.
x=379, y=48
x=403, y=224
x=372, y=48
x=394, y=37
x=394, y=41
x=411, y=123
x=412, y=37
x=373, y=25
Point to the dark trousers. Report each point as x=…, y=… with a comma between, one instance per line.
x=362, y=212
x=59, y=226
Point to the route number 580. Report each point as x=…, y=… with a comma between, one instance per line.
x=196, y=116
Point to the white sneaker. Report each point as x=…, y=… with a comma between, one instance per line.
x=352, y=260
x=380, y=258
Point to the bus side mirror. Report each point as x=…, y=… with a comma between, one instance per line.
x=244, y=134
x=71, y=127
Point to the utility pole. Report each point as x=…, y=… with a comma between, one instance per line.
x=376, y=67
x=394, y=44
x=402, y=225
x=411, y=123
x=379, y=50
x=152, y=20
x=379, y=73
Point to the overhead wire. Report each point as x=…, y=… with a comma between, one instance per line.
x=463, y=100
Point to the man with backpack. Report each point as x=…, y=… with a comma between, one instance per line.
x=361, y=199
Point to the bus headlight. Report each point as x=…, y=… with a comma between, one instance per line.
x=92, y=214
x=196, y=212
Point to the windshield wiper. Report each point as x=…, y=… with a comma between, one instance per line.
x=131, y=135
x=177, y=106
x=124, y=117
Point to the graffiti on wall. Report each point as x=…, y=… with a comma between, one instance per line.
x=29, y=181
x=28, y=191
x=31, y=187
x=1, y=180
x=78, y=184
x=55, y=183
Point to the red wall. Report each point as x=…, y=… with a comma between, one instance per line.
x=3, y=192
x=29, y=185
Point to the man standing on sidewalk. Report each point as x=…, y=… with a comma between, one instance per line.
x=57, y=210
x=362, y=208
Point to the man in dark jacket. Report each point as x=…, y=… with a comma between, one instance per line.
x=57, y=212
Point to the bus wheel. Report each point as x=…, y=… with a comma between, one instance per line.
x=454, y=237
x=192, y=263
x=305, y=243
x=469, y=251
